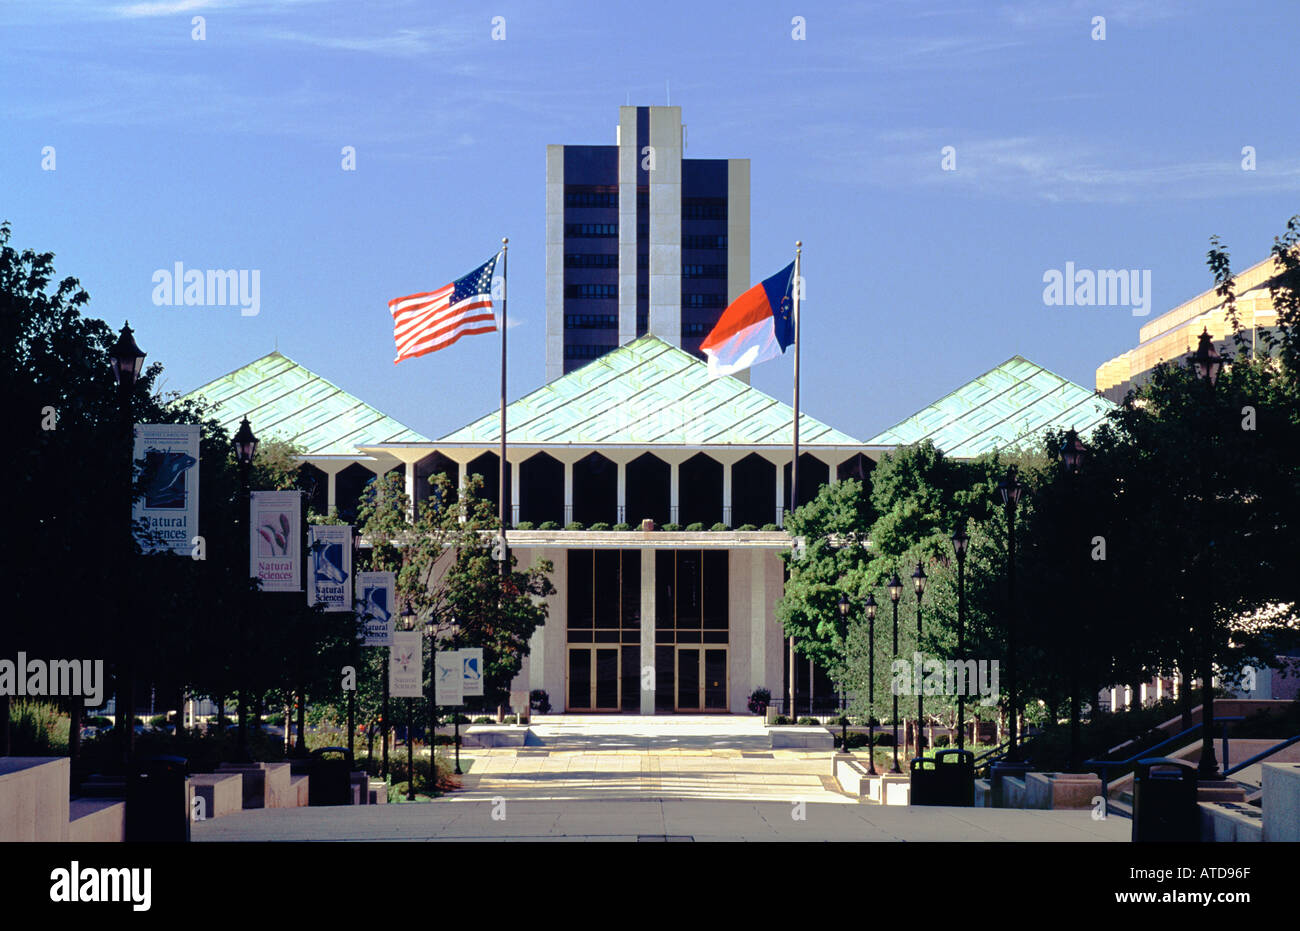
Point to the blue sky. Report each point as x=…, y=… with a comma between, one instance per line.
x=1124, y=153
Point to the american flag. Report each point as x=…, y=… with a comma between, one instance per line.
x=433, y=320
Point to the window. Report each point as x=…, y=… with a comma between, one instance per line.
x=590, y=260
x=705, y=242
x=704, y=271
x=591, y=321
x=704, y=208
x=590, y=230
x=590, y=197
x=586, y=352
x=591, y=291
x=702, y=300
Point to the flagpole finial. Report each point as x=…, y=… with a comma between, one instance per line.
x=798, y=243
x=505, y=242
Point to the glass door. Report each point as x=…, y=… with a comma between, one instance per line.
x=594, y=676
x=688, y=678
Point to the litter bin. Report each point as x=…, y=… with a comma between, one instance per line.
x=1164, y=801
x=157, y=810
x=956, y=777
x=1000, y=771
x=330, y=782
x=947, y=778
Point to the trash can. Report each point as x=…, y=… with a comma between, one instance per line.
x=925, y=777
x=955, y=775
x=1164, y=801
x=157, y=810
x=330, y=782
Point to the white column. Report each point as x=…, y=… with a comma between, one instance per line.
x=568, y=491
x=514, y=490
x=726, y=493
x=757, y=620
x=1142, y=695
x=622, y=491
x=647, y=627
x=332, y=493
x=674, y=514
x=780, y=495
x=410, y=491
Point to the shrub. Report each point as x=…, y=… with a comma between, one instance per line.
x=548, y=525
x=540, y=701
x=747, y=528
x=524, y=525
x=454, y=717
x=781, y=719
x=510, y=719
x=671, y=527
x=622, y=525
x=99, y=721
x=759, y=699
x=484, y=719
x=38, y=728
x=573, y=525
x=807, y=721
x=599, y=525
x=884, y=738
x=769, y=528
x=695, y=527
x=719, y=527
x=158, y=720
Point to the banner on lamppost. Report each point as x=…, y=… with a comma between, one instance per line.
x=275, y=541
x=167, y=466
x=329, y=581
x=376, y=592
x=471, y=661
x=448, y=678
x=406, y=665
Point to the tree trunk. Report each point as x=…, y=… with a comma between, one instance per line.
x=302, y=724
x=5, y=748
x=287, y=729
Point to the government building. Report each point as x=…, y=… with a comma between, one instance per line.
x=657, y=493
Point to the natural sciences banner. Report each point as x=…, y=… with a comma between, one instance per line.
x=167, y=465
x=329, y=549
x=376, y=592
x=275, y=543
x=406, y=665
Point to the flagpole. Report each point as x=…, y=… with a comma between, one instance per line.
x=501, y=474
x=794, y=463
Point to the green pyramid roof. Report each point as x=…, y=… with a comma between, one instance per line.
x=649, y=392
x=285, y=400
x=1008, y=407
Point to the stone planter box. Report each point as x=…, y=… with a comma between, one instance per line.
x=1281, y=801
x=266, y=785
x=493, y=735
x=1231, y=822
x=34, y=798
x=96, y=821
x=1061, y=791
x=222, y=793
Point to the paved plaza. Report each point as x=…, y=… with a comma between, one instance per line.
x=628, y=779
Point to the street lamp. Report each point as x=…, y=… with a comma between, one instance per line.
x=895, y=588
x=245, y=444
x=408, y=623
x=126, y=359
x=357, y=636
x=871, y=683
x=1072, y=455
x=918, y=583
x=1010, y=490
x=960, y=541
x=1207, y=362
x=843, y=606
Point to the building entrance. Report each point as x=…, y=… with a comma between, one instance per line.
x=701, y=678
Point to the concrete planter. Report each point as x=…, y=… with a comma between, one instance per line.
x=1061, y=791
x=801, y=738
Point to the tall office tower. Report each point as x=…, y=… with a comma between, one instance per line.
x=640, y=240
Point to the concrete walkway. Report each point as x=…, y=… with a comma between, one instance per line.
x=629, y=778
x=590, y=820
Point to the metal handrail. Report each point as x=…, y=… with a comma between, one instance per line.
x=1103, y=767
x=1005, y=745
x=1260, y=756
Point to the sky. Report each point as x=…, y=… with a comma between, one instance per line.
x=128, y=144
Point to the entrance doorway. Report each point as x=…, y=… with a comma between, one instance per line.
x=701, y=678
x=594, y=677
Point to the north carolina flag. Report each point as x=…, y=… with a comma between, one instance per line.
x=758, y=326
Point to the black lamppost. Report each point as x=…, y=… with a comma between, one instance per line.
x=895, y=592
x=1208, y=364
x=871, y=683
x=126, y=360
x=918, y=583
x=245, y=449
x=356, y=638
x=843, y=606
x=408, y=623
x=960, y=541
x=1072, y=454
x=1009, y=491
